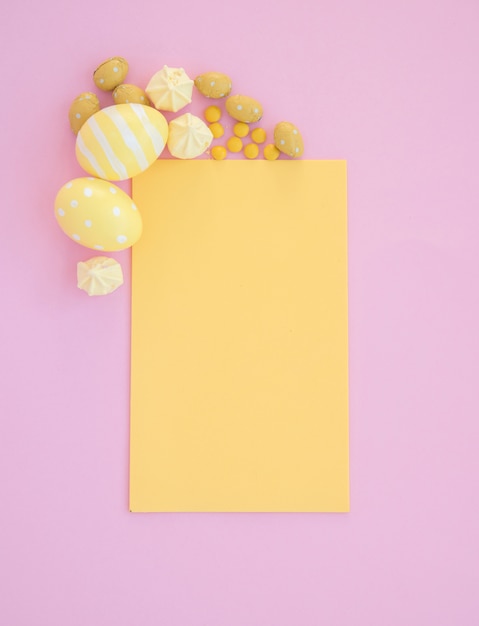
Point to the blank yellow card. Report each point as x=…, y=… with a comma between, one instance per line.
x=239, y=379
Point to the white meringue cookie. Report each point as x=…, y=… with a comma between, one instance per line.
x=99, y=275
x=188, y=137
x=170, y=89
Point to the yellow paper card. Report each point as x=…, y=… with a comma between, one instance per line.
x=239, y=380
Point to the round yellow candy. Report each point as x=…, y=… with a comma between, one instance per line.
x=217, y=130
x=241, y=129
x=251, y=151
x=271, y=152
x=218, y=153
x=212, y=113
x=97, y=214
x=258, y=135
x=234, y=144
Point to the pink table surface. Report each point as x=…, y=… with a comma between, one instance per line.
x=393, y=88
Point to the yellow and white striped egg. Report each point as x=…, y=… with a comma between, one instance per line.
x=121, y=141
x=97, y=214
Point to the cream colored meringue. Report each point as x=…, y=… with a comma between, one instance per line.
x=170, y=89
x=188, y=136
x=99, y=275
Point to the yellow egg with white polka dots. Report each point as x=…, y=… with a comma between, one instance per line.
x=97, y=214
x=244, y=109
x=121, y=141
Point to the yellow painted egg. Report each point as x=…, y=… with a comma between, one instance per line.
x=125, y=94
x=288, y=140
x=244, y=109
x=97, y=214
x=110, y=73
x=213, y=84
x=84, y=106
x=121, y=141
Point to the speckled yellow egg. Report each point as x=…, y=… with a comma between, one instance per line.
x=121, y=141
x=110, y=73
x=97, y=214
x=288, y=140
x=213, y=84
x=84, y=106
x=125, y=94
x=244, y=109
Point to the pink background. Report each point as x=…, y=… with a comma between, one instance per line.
x=393, y=88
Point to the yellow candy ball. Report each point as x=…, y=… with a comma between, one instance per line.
x=218, y=153
x=251, y=151
x=217, y=130
x=271, y=152
x=212, y=113
x=258, y=135
x=241, y=129
x=234, y=144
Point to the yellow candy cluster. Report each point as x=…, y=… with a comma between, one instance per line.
x=235, y=143
x=246, y=111
x=286, y=136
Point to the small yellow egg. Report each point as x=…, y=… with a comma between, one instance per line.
x=234, y=144
x=251, y=151
x=97, y=214
x=213, y=84
x=217, y=130
x=258, y=135
x=110, y=73
x=241, y=129
x=125, y=94
x=84, y=106
x=212, y=113
x=288, y=139
x=271, y=152
x=218, y=153
x=244, y=109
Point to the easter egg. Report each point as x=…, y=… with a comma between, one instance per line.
x=288, y=140
x=97, y=214
x=123, y=94
x=110, y=73
x=84, y=106
x=121, y=141
x=244, y=109
x=213, y=84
